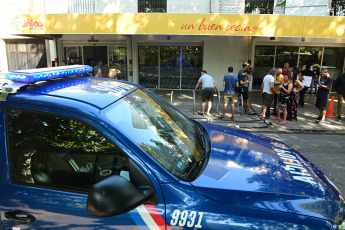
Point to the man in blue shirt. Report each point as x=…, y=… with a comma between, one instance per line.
x=230, y=83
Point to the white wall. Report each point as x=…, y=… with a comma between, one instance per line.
x=307, y=7
x=183, y=6
x=220, y=52
x=56, y=6
x=116, y=6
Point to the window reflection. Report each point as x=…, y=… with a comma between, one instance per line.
x=160, y=130
x=59, y=152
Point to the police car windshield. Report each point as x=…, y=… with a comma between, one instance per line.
x=160, y=130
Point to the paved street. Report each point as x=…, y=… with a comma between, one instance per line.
x=322, y=144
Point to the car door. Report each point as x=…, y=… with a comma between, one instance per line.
x=53, y=162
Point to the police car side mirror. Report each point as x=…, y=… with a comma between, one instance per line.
x=116, y=195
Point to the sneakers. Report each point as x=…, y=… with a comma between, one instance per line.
x=317, y=118
x=339, y=118
x=320, y=121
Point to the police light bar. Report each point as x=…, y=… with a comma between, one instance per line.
x=42, y=74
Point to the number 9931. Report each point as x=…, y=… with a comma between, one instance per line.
x=186, y=218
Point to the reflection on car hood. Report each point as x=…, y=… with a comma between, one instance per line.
x=250, y=170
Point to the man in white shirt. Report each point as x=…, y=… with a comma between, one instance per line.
x=267, y=91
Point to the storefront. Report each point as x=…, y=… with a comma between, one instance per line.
x=168, y=51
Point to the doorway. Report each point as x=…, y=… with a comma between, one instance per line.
x=93, y=54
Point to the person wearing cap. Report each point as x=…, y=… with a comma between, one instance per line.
x=208, y=87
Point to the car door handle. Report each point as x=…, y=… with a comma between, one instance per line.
x=20, y=216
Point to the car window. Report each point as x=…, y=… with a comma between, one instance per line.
x=160, y=130
x=60, y=152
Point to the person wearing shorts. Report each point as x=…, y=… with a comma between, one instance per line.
x=325, y=86
x=208, y=87
x=267, y=91
x=244, y=84
x=230, y=83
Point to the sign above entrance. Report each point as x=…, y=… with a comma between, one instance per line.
x=177, y=24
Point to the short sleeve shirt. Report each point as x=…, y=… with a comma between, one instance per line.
x=267, y=80
x=243, y=78
x=230, y=81
x=280, y=80
x=206, y=81
x=323, y=93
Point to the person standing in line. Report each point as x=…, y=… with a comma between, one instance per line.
x=316, y=69
x=340, y=89
x=245, y=66
x=77, y=61
x=283, y=99
x=278, y=79
x=286, y=68
x=208, y=87
x=71, y=61
x=112, y=71
x=297, y=86
x=325, y=86
x=98, y=69
x=230, y=83
x=267, y=91
x=306, y=74
x=244, y=84
x=63, y=63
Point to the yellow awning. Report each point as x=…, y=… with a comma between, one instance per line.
x=176, y=24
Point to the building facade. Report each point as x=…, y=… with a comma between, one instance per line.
x=165, y=44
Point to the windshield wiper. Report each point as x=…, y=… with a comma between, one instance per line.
x=203, y=153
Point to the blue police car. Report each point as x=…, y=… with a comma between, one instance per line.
x=80, y=152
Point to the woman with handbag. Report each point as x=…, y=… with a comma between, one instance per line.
x=283, y=99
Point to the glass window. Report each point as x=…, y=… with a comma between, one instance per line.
x=118, y=56
x=71, y=53
x=60, y=152
x=152, y=6
x=173, y=140
x=337, y=8
x=259, y=6
x=333, y=60
x=148, y=66
x=309, y=55
x=191, y=66
x=170, y=68
x=286, y=53
x=263, y=62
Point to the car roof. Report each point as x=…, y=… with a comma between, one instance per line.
x=95, y=91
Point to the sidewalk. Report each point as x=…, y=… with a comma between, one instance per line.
x=183, y=100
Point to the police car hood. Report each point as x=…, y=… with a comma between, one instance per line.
x=255, y=171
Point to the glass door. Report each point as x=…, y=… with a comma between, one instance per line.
x=170, y=68
x=309, y=55
x=148, y=66
x=191, y=66
x=263, y=62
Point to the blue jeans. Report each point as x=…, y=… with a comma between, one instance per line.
x=313, y=83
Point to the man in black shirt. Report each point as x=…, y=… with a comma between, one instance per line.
x=340, y=88
x=325, y=86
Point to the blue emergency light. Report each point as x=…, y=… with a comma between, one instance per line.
x=34, y=75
